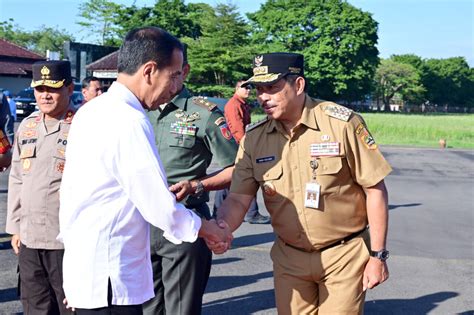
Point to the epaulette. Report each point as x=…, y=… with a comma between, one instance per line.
x=254, y=125
x=69, y=115
x=204, y=102
x=338, y=111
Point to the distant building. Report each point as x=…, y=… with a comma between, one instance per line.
x=15, y=66
x=80, y=55
x=105, y=68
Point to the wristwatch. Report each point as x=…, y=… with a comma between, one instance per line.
x=199, y=189
x=381, y=254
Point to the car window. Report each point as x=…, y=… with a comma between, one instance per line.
x=27, y=93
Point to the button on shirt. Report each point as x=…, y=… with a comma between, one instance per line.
x=268, y=157
x=113, y=185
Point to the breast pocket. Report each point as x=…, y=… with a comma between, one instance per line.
x=328, y=174
x=272, y=184
x=181, y=153
x=28, y=158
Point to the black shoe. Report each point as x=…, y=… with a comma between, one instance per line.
x=258, y=219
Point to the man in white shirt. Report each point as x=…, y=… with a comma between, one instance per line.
x=114, y=183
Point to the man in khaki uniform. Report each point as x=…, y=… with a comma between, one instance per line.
x=33, y=189
x=322, y=177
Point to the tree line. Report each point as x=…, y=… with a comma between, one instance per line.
x=337, y=39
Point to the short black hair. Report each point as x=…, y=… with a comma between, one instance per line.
x=146, y=44
x=291, y=79
x=87, y=81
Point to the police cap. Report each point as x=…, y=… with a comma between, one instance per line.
x=52, y=73
x=271, y=67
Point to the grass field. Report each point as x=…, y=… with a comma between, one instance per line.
x=419, y=130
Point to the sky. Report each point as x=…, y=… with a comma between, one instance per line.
x=426, y=28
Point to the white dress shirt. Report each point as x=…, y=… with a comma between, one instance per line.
x=113, y=185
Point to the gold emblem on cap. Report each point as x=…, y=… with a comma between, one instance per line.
x=260, y=70
x=258, y=61
x=45, y=73
x=269, y=189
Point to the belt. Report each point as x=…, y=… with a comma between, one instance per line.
x=340, y=242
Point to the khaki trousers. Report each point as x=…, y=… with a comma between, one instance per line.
x=328, y=282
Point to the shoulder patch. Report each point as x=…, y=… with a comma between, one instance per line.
x=219, y=121
x=204, y=102
x=254, y=125
x=338, y=112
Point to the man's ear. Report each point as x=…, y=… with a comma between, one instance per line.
x=148, y=70
x=300, y=84
x=186, y=69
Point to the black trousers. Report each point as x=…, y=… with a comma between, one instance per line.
x=41, y=281
x=111, y=309
x=180, y=274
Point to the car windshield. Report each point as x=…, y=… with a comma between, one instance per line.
x=27, y=93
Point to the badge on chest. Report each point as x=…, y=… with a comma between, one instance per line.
x=183, y=128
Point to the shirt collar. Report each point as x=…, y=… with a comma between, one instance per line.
x=308, y=117
x=181, y=99
x=127, y=95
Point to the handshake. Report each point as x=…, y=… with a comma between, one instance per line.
x=217, y=235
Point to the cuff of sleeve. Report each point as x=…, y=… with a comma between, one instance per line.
x=190, y=235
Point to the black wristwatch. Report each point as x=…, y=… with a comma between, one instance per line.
x=199, y=189
x=381, y=254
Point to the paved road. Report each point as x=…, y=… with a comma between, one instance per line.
x=430, y=238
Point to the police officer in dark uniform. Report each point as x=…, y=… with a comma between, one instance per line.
x=190, y=132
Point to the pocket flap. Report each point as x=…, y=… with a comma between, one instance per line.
x=329, y=165
x=273, y=173
x=28, y=151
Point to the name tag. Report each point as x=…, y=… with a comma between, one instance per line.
x=324, y=149
x=265, y=159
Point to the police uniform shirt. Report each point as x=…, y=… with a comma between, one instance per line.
x=190, y=132
x=33, y=189
x=280, y=165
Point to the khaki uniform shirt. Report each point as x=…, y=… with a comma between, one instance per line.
x=280, y=165
x=191, y=132
x=35, y=176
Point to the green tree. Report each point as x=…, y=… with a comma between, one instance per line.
x=45, y=38
x=97, y=18
x=171, y=15
x=450, y=82
x=417, y=96
x=337, y=40
x=393, y=78
x=221, y=55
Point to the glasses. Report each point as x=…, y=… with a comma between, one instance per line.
x=248, y=87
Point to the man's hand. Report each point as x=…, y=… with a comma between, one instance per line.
x=376, y=272
x=218, y=237
x=16, y=243
x=67, y=305
x=182, y=189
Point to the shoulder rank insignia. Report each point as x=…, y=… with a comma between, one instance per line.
x=204, y=102
x=256, y=124
x=69, y=116
x=338, y=111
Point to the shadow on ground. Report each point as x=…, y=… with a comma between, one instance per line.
x=421, y=305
